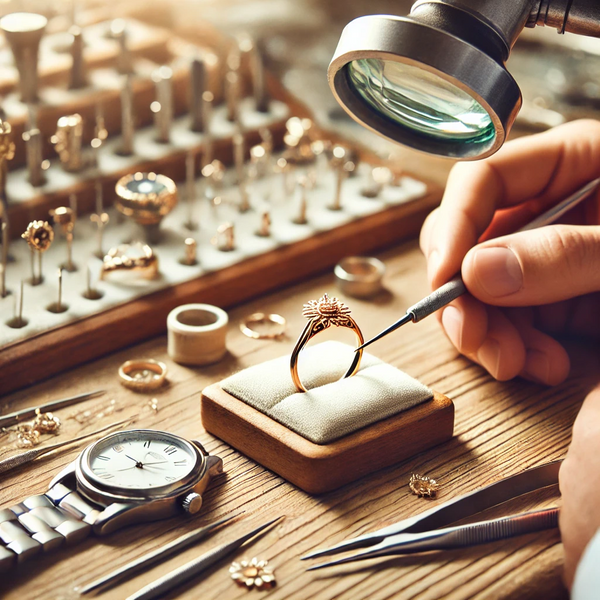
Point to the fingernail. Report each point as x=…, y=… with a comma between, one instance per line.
x=537, y=366
x=489, y=356
x=433, y=265
x=498, y=271
x=452, y=321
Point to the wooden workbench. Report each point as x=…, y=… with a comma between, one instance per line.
x=501, y=429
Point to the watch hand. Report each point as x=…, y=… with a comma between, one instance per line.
x=160, y=462
x=133, y=459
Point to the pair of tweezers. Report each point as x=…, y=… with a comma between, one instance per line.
x=419, y=533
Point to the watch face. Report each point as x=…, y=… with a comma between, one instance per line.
x=141, y=460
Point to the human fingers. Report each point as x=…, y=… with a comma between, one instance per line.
x=465, y=322
x=535, y=267
x=579, y=481
x=547, y=167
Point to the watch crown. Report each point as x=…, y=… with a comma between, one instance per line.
x=192, y=503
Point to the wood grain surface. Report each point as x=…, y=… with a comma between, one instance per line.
x=501, y=429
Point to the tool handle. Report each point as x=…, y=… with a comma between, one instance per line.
x=443, y=295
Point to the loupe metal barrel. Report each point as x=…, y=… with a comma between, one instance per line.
x=423, y=87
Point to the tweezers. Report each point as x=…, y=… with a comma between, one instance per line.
x=428, y=530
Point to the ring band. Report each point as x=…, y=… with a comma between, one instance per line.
x=143, y=375
x=121, y=259
x=260, y=318
x=359, y=276
x=321, y=314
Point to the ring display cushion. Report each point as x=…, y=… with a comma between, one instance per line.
x=332, y=407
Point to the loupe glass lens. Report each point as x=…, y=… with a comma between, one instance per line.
x=421, y=101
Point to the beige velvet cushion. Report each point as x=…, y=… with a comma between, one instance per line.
x=332, y=407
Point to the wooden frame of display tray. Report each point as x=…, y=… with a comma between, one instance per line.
x=29, y=361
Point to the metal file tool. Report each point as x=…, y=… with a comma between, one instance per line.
x=455, y=287
x=419, y=533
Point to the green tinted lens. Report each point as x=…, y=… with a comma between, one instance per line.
x=421, y=101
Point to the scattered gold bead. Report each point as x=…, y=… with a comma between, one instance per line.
x=423, y=486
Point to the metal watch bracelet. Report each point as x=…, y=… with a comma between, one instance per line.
x=42, y=523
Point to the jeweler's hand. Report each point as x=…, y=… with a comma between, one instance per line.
x=580, y=485
x=526, y=287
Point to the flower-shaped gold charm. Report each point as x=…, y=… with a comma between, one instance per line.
x=327, y=311
x=423, y=486
x=39, y=235
x=253, y=573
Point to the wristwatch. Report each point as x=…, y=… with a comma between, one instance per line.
x=126, y=477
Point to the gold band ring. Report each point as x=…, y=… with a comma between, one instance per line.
x=143, y=375
x=321, y=314
x=131, y=257
x=247, y=326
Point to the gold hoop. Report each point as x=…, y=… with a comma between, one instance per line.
x=321, y=314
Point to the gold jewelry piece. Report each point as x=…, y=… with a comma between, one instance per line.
x=423, y=486
x=252, y=573
x=65, y=218
x=225, y=238
x=321, y=314
x=143, y=375
x=122, y=258
x=39, y=236
x=146, y=197
x=68, y=140
x=273, y=319
x=29, y=434
x=191, y=247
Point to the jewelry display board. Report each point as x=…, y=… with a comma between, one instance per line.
x=343, y=214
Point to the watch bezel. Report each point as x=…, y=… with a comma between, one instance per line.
x=105, y=493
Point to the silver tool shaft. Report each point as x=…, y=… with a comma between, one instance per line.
x=78, y=78
x=197, y=89
x=232, y=96
x=127, y=117
x=152, y=558
x=33, y=149
x=29, y=413
x=24, y=31
x=165, y=584
x=163, y=118
x=259, y=83
x=208, y=143
x=455, y=287
x=118, y=31
x=456, y=537
x=190, y=190
x=457, y=508
x=239, y=151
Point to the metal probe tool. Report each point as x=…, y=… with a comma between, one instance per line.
x=455, y=287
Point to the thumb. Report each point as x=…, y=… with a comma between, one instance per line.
x=535, y=267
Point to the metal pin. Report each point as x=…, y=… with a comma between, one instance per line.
x=23, y=31
x=78, y=71
x=197, y=89
x=232, y=96
x=189, y=258
x=342, y=174
x=118, y=31
x=127, y=122
x=259, y=83
x=3, y=290
x=225, y=239
x=300, y=218
x=58, y=306
x=7, y=152
x=64, y=217
x=73, y=204
x=215, y=172
x=99, y=198
x=244, y=205
x=207, y=104
x=18, y=321
x=163, y=118
x=265, y=224
x=67, y=142
x=239, y=155
x=90, y=293
x=35, y=160
x=101, y=220
x=190, y=190
x=100, y=135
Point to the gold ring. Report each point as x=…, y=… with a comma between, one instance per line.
x=145, y=197
x=142, y=375
x=259, y=319
x=321, y=314
x=131, y=257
